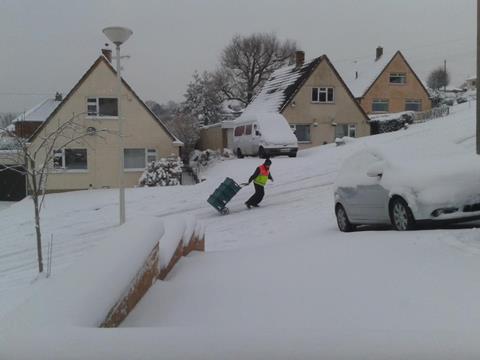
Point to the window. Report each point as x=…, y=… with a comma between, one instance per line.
x=248, y=130
x=413, y=105
x=70, y=159
x=102, y=107
x=302, y=132
x=151, y=155
x=342, y=130
x=137, y=159
x=239, y=130
x=398, y=78
x=323, y=95
x=380, y=105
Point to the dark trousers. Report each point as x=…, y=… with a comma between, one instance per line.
x=257, y=197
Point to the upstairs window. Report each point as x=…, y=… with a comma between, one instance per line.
x=398, y=78
x=413, y=105
x=380, y=105
x=323, y=95
x=70, y=159
x=102, y=107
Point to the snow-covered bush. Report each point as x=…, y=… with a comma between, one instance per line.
x=206, y=157
x=391, y=122
x=164, y=172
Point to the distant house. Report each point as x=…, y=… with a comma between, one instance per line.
x=26, y=123
x=471, y=83
x=313, y=98
x=93, y=161
x=385, y=84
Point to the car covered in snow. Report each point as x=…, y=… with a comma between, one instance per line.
x=375, y=187
x=263, y=134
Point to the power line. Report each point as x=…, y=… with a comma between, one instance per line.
x=24, y=94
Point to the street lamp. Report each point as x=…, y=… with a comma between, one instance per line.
x=118, y=35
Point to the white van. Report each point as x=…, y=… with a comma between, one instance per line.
x=263, y=134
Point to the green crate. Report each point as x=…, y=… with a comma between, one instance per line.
x=223, y=194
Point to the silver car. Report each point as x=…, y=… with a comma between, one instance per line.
x=370, y=189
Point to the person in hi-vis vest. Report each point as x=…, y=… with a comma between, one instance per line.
x=259, y=178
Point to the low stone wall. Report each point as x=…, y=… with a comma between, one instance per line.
x=144, y=279
x=147, y=276
x=196, y=243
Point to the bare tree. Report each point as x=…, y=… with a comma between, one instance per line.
x=438, y=78
x=40, y=159
x=6, y=119
x=185, y=127
x=247, y=62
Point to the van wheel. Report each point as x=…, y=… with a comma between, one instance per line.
x=239, y=154
x=261, y=153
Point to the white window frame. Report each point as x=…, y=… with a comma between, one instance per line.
x=399, y=75
x=149, y=152
x=63, y=168
x=381, y=101
x=96, y=100
x=416, y=101
x=352, y=128
x=294, y=128
x=323, y=89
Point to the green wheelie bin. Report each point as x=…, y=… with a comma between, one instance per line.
x=223, y=194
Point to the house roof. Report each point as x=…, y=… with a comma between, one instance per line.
x=103, y=59
x=40, y=112
x=283, y=85
x=361, y=74
x=280, y=88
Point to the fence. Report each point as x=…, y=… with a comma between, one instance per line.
x=434, y=113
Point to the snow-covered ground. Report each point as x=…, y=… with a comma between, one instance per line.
x=5, y=204
x=279, y=281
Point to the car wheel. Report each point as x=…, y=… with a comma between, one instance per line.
x=292, y=154
x=261, y=153
x=239, y=154
x=342, y=219
x=401, y=215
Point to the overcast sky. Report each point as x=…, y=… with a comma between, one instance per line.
x=47, y=45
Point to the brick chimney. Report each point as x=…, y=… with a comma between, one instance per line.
x=378, y=53
x=299, y=58
x=107, y=53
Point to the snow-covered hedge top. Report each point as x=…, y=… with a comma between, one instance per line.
x=85, y=292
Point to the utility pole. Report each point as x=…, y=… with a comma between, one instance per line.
x=445, y=76
x=478, y=75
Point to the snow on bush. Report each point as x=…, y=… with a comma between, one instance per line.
x=164, y=172
x=207, y=157
x=391, y=122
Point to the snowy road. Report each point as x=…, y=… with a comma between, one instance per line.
x=283, y=268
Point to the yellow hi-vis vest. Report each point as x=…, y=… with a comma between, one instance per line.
x=262, y=178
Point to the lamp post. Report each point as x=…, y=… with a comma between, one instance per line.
x=118, y=35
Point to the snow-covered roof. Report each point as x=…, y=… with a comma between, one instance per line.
x=39, y=113
x=359, y=74
x=281, y=87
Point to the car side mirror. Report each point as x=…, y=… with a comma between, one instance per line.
x=375, y=170
x=257, y=133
